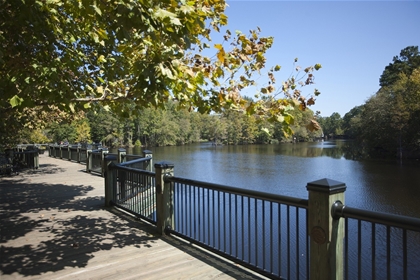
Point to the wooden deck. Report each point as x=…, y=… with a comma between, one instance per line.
x=54, y=226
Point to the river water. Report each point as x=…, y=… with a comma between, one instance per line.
x=285, y=169
x=386, y=186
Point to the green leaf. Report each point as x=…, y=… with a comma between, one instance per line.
x=102, y=33
x=15, y=101
x=186, y=9
x=27, y=80
x=277, y=68
x=97, y=10
x=317, y=66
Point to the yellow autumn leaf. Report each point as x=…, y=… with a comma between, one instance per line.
x=221, y=56
x=218, y=46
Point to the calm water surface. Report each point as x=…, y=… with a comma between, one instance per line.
x=286, y=168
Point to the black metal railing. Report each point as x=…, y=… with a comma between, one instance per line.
x=261, y=231
x=386, y=246
x=134, y=191
x=277, y=236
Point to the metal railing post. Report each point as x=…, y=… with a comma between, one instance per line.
x=164, y=197
x=148, y=165
x=327, y=233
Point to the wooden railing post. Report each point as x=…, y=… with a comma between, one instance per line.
x=110, y=183
x=121, y=155
x=89, y=160
x=327, y=234
x=147, y=165
x=69, y=152
x=79, y=148
x=164, y=197
x=36, y=160
x=103, y=161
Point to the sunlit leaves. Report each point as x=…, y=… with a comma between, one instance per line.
x=16, y=101
x=141, y=53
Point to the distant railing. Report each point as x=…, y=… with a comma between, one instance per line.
x=96, y=159
x=20, y=158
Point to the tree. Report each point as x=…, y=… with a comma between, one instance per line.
x=352, y=122
x=331, y=125
x=390, y=119
x=67, y=56
x=406, y=62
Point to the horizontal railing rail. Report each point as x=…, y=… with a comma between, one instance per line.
x=340, y=210
x=139, y=163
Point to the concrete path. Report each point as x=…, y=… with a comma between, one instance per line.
x=54, y=226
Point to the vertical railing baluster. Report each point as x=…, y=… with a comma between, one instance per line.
x=297, y=243
x=208, y=217
x=218, y=219
x=256, y=231
x=214, y=219
x=373, y=251
x=249, y=229
x=307, y=245
x=271, y=237
x=199, y=213
x=224, y=221
x=230, y=224
x=404, y=245
x=243, y=229
x=288, y=240
x=263, y=234
x=191, y=214
x=388, y=252
x=346, y=248
x=359, y=249
x=280, y=239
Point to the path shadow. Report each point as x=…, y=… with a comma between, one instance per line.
x=47, y=228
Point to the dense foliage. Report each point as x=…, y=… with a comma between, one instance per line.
x=389, y=122
x=62, y=57
x=155, y=127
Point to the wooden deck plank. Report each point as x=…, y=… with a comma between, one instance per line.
x=54, y=226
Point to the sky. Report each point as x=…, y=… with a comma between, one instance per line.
x=353, y=41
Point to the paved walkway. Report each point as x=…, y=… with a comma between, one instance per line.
x=54, y=226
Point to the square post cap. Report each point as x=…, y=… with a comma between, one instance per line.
x=326, y=186
x=164, y=165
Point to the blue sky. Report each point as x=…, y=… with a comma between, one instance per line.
x=352, y=40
